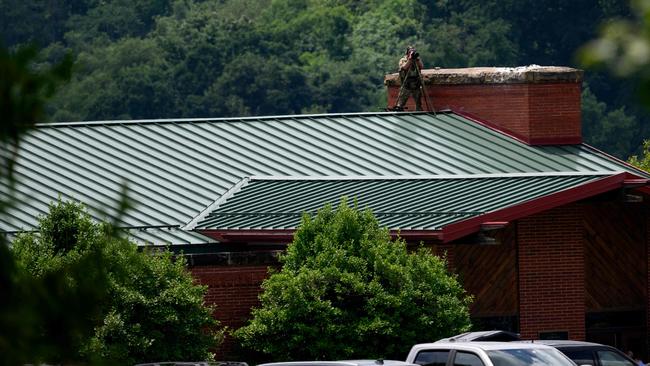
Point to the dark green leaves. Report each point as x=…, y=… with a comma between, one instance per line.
x=101, y=300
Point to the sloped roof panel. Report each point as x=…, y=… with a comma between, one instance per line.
x=400, y=203
x=176, y=168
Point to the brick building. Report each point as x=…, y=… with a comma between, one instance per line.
x=548, y=233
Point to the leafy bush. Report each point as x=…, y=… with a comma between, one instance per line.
x=153, y=311
x=347, y=290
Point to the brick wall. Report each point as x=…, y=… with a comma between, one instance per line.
x=551, y=273
x=234, y=290
x=555, y=111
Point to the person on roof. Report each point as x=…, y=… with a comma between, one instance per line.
x=409, y=74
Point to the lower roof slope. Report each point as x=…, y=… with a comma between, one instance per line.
x=420, y=203
x=175, y=168
x=265, y=206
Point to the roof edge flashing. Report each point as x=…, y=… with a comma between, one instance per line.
x=432, y=177
x=64, y=124
x=614, y=158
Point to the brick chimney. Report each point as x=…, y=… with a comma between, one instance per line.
x=539, y=105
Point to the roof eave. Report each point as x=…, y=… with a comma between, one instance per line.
x=508, y=214
x=249, y=235
x=286, y=235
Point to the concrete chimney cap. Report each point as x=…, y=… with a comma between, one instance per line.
x=531, y=74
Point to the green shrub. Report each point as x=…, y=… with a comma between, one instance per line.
x=346, y=290
x=152, y=310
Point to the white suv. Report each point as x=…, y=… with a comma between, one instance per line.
x=340, y=363
x=486, y=354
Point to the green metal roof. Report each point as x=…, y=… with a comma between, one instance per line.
x=399, y=203
x=176, y=168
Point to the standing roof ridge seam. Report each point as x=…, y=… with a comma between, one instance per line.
x=432, y=177
x=612, y=157
x=217, y=119
x=296, y=213
x=214, y=205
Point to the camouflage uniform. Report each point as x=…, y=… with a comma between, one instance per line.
x=411, y=85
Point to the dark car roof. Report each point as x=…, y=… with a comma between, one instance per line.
x=484, y=336
x=566, y=343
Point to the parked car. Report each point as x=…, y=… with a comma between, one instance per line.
x=340, y=363
x=593, y=354
x=191, y=363
x=453, y=353
x=582, y=353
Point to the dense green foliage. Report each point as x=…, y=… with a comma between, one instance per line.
x=346, y=290
x=151, y=309
x=35, y=321
x=48, y=317
x=200, y=58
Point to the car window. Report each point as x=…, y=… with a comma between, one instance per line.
x=528, y=357
x=611, y=358
x=467, y=359
x=580, y=357
x=432, y=357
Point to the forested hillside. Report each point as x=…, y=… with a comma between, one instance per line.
x=191, y=58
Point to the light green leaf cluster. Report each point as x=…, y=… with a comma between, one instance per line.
x=642, y=162
x=623, y=48
x=624, y=44
x=347, y=290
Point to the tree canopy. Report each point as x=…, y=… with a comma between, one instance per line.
x=197, y=58
x=346, y=290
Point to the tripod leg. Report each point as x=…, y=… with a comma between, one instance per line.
x=423, y=89
x=400, y=102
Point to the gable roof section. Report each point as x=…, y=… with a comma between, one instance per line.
x=403, y=204
x=176, y=168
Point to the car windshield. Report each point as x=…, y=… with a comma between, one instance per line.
x=528, y=357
